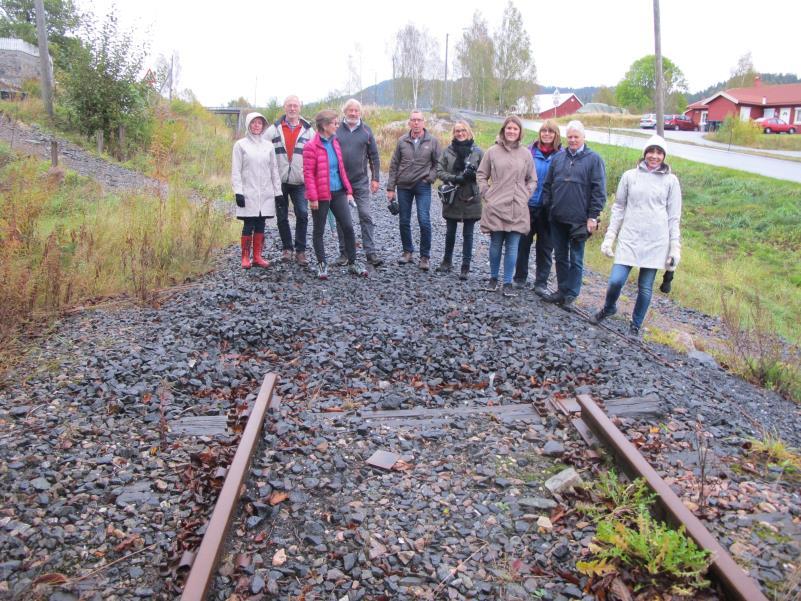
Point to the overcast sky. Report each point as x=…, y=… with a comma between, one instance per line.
x=261, y=50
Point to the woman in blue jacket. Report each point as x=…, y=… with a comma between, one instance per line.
x=547, y=144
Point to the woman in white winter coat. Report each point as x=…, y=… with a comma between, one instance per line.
x=256, y=182
x=645, y=221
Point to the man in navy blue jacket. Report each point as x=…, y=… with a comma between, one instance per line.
x=359, y=149
x=574, y=194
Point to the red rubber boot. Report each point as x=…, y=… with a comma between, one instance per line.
x=246, y=240
x=258, y=244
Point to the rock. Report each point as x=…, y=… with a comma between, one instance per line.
x=553, y=448
x=567, y=479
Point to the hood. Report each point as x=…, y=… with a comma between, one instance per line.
x=657, y=141
x=250, y=117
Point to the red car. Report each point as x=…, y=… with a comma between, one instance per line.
x=774, y=125
x=680, y=122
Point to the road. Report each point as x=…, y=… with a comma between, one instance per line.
x=768, y=166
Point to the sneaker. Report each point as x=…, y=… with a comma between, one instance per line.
x=519, y=284
x=425, y=263
x=357, y=268
x=374, y=260
x=568, y=304
x=554, y=297
x=405, y=258
x=342, y=260
x=492, y=285
x=508, y=290
x=463, y=273
x=322, y=271
x=286, y=255
x=634, y=331
x=444, y=267
x=300, y=257
x=601, y=315
x=540, y=290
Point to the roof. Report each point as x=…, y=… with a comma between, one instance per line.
x=701, y=104
x=19, y=46
x=544, y=102
x=599, y=107
x=781, y=94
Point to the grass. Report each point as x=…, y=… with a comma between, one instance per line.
x=747, y=133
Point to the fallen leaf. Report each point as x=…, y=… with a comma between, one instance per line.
x=400, y=465
x=277, y=497
x=52, y=579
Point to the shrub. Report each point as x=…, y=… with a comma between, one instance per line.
x=738, y=132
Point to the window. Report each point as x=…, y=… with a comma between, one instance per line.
x=797, y=115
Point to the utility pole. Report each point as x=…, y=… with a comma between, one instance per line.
x=172, y=66
x=44, y=57
x=660, y=81
x=445, y=88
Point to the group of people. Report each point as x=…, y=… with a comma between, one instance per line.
x=540, y=195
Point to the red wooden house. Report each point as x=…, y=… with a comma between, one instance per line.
x=548, y=106
x=783, y=101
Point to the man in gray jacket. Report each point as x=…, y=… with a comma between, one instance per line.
x=359, y=149
x=413, y=169
x=289, y=135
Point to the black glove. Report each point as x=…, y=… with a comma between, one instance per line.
x=458, y=179
x=393, y=207
x=667, y=280
x=240, y=200
x=469, y=175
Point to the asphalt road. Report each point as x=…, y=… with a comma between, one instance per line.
x=721, y=157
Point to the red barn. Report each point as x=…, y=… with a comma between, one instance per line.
x=783, y=101
x=548, y=106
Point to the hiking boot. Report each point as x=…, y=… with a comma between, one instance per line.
x=405, y=258
x=300, y=257
x=342, y=260
x=540, y=290
x=357, y=268
x=463, y=273
x=322, y=271
x=286, y=255
x=601, y=315
x=425, y=263
x=374, y=260
x=509, y=290
x=634, y=331
x=568, y=304
x=555, y=297
x=492, y=285
x=519, y=284
x=444, y=267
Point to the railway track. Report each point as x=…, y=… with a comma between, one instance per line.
x=734, y=583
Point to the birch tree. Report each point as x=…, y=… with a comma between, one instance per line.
x=475, y=58
x=514, y=64
x=411, y=57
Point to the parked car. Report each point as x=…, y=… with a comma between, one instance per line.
x=648, y=121
x=680, y=122
x=774, y=125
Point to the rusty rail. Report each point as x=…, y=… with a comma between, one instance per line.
x=737, y=584
x=205, y=565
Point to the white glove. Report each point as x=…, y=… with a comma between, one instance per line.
x=606, y=246
x=674, y=256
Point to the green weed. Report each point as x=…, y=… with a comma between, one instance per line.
x=615, y=498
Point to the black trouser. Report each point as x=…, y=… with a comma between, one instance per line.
x=543, y=249
x=251, y=225
x=339, y=207
x=467, y=240
x=297, y=194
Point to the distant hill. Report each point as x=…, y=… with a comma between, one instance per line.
x=767, y=79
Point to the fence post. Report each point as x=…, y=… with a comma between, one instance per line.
x=54, y=153
x=99, y=141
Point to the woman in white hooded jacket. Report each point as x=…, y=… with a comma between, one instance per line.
x=256, y=182
x=645, y=221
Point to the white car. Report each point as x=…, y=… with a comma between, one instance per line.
x=648, y=121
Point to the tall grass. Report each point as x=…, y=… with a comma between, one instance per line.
x=748, y=133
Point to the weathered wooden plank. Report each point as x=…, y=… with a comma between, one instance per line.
x=200, y=425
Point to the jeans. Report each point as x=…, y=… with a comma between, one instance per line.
x=422, y=194
x=542, y=250
x=497, y=240
x=301, y=208
x=467, y=240
x=251, y=225
x=645, y=287
x=339, y=207
x=569, y=255
x=361, y=194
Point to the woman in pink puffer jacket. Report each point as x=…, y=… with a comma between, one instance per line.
x=327, y=187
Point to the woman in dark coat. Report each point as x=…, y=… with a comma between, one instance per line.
x=457, y=167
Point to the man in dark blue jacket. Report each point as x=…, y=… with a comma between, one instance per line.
x=359, y=149
x=574, y=194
